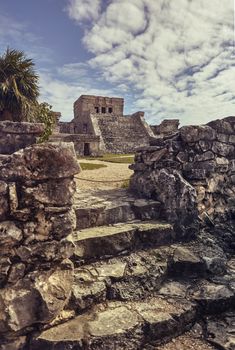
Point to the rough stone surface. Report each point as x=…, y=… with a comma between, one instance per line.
x=220, y=332
x=119, y=325
x=194, y=177
x=104, y=241
x=41, y=162
x=14, y=135
x=36, y=223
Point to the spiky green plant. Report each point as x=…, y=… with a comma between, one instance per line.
x=18, y=85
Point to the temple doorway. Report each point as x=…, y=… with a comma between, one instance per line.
x=87, y=149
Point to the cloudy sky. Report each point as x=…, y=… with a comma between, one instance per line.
x=170, y=58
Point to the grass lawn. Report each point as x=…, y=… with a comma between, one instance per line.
x=125, y=160
x=115, y=158
x=89, y=166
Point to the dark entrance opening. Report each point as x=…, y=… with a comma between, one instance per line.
x=97, y=109
x=86, y=149
x=110, y=110
x=85, y=128
x=103, y=110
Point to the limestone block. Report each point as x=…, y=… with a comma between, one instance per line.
x=232, y=179
x=221, y=126
x=38, y=298
x=14, y=344
x=57, y=192
x=201, y=193
x=195, y=174
x=220, y=331
x=157, y=155
x=232, y=166
x=16, y=273
x=204, y=156
x=5, y=265
x=37, y=230
x=190, y=133
x=63, y=224
x=178, y=197
x=87, y=289
x=54, y=288
x=45, y=251
x=223, y=138
x=41, y=162
x=222, y=149
x=232, y=139
x=205, y=145
x=13, y=197
x=47, y=224
x=222, y=164
x=10, y=234
x=4, y=204
x=18, y=308
x=18, y=135
x=215, y=183
x=21, y=128
x=182, y=157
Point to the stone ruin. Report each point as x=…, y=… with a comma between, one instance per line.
x=16, y=135
x=99, y=126
x=123, y=270
x=192, y=172
x=36, y=220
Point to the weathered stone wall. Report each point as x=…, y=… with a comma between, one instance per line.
x=16, y=135
x=87, y=104
x=123, y=134
x=192, y=173
x=66, y=127
x=167, y=127
x=36, y=221
x=85, y=144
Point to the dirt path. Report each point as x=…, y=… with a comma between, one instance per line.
x=113, y=171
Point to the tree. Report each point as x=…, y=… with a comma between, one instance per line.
x=18, y=86
x=19, y=92
x=42, y=113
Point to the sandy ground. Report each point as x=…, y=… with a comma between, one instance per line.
x=113, y=172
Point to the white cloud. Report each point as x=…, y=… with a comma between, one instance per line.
x=175, y=55
x=81, y=10
x=62, y=94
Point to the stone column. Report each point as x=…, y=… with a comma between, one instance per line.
x=36, y=223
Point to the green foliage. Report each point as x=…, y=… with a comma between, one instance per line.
x=18, y=85
x=19, y=92
x=42, y=113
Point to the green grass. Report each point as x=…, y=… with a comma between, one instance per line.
x=88, y=166
x=125, y=184
x=114, y=158
x=124, y=160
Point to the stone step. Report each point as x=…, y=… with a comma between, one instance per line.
x=221, y=330
x=211, y=296
x=192, y=340
x=108, y=241
x=120, y=326
x=140, y=274
x=131, y=277
x=102, y=207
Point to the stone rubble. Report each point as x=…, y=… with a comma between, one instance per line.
x=149, y=270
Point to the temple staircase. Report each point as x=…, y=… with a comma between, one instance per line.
x=138, y=285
